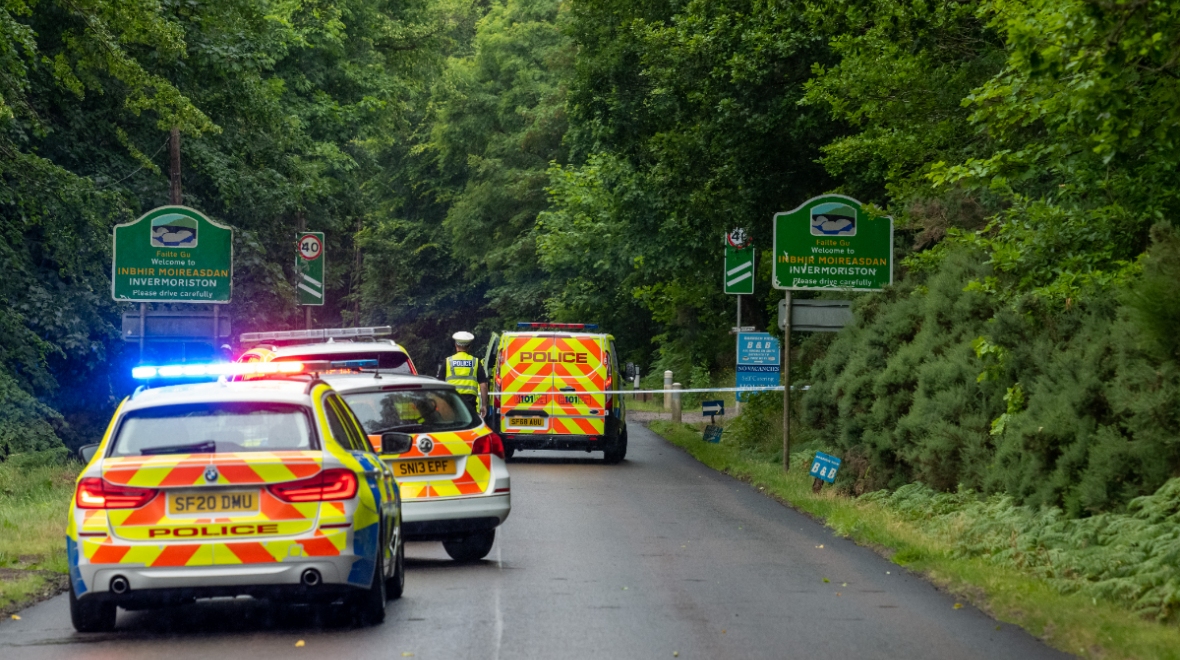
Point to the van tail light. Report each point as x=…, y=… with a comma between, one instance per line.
x=488, y=444
x=97, y=493
x=327, y=486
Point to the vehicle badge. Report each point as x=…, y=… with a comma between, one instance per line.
x=211, y=474
x=425, y=444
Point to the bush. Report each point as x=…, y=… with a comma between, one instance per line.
x=26, y=425
x=1123, y=557
x=936, y=382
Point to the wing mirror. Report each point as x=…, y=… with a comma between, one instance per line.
x=396, y=443
x=631, y=371
x=87, y=452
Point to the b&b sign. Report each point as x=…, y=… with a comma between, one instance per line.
x=824, y=467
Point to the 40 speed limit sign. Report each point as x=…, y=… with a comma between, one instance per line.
x=309, y=267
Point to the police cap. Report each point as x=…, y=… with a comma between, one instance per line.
x=463, y=338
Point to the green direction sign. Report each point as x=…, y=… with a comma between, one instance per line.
x=739, y=270
x=173, y=254
x=829, y=242
x=309, y=266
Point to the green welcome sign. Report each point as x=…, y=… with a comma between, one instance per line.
x=829, y=242
x=172, y=254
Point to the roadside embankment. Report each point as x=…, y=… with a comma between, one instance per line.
x=1102, y=587
x=35, y=491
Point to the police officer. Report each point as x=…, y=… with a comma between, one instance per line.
x=463, y=371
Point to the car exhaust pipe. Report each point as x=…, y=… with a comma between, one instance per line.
x=120, y=585
x=311, y=578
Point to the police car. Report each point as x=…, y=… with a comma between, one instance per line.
x=265, y=487
x=336, y=344
x=454, y=482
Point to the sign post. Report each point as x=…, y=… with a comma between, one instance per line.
x=309, y=267
x=738, y=278
x=826, y=243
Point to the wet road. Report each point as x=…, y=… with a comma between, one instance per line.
x=656, y=557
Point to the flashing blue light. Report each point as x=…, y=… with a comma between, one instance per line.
x=143, y=373
x=219, y=369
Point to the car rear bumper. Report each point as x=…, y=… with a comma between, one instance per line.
x=437, y=518
x=148, y=585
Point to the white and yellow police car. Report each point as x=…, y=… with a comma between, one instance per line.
x=265, y=487
x=454, y=481
x=335, y=344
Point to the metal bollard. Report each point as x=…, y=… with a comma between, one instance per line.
x=667, y=386
x=675, y=403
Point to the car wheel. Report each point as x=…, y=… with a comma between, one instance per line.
x=368, y=607
x=617, y=451
x=92, y=615
x=396, y=584
x=473, y=547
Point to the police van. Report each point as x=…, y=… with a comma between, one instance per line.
x=553, y=384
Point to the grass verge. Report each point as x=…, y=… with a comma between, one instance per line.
x=1077, y=624
x=34, y=499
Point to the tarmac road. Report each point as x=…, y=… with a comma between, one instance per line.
x=658, y=557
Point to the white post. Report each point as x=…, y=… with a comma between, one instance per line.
x=676, y=403
x=667, y=386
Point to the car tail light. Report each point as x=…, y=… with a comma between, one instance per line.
x=488, y=444
x=329, y=485
x=97, y=493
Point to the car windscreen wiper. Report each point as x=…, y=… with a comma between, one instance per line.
x=206, y=447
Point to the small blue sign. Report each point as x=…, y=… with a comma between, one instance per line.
x=824, y=467
x=758, y=348
x=712, y=434
x=713, y=407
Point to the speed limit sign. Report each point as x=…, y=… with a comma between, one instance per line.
x=311, y=246
x=309, y=268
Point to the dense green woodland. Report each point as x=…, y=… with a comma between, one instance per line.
x=479, y=163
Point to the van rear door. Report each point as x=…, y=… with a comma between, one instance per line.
x=526, y=378
x=579, y=371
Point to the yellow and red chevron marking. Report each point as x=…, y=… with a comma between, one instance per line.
x=450, y=443
x=176, y=470
x=576, y=426
x=105, y=551
x=328, y=543
x=137, y=524
x=474, y=480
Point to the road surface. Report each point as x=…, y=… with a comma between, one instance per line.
x=658, y=557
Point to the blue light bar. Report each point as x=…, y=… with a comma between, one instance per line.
x=217, y=369
x=353, y=364
x=545, y=325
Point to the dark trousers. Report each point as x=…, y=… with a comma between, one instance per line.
x=472, y=402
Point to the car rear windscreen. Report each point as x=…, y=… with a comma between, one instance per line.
x=213, y=428
x=411, y=411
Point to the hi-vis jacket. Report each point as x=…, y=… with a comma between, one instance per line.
x=462, y=371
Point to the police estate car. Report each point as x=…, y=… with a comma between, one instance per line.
x=267, y=488
x=336, y=344
x=454, y=482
